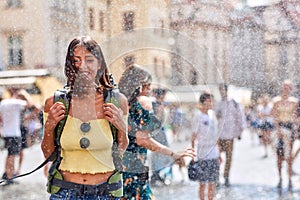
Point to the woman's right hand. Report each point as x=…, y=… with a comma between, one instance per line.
x=55, y=114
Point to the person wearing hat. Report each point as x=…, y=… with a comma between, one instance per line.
x=135, y=84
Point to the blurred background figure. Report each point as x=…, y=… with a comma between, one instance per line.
x=161, y=165
x=285, y=116
x=252, y=121
x=10, y=110
x=231, y=120
x=26, y=116
x=176, y=121
x=266, y=122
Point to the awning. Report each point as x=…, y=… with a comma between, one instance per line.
x=48, y=85
x=190, y=94
x=17, y=81
x=28, y=79
x=24, y=73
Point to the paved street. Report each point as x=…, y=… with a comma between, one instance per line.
x=252, y=177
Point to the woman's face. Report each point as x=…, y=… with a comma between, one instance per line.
x=146, y=88
x=86, y=63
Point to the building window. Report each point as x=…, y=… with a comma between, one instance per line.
x=91, y=19
x=162, y=26
x=73, y=6
x=155, y=66
x=15, y=52
x=14, y=3
x=193, y=77
x=65, y=5
x=164, y=67
x=128, y=23
x=56, y=4
x=101, y=21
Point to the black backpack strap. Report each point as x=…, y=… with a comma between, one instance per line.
x=113, y=96
x=50, y=158
x=64, y=97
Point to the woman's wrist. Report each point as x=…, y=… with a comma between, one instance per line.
x=50, y=125
x=174, y=155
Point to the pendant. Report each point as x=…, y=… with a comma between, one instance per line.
x=84, y=142
x=85, y=127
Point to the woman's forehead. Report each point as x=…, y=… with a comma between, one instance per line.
x=81, y=50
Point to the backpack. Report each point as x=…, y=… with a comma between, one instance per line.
x=111, y=96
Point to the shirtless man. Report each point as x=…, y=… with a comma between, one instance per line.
x=285, y=113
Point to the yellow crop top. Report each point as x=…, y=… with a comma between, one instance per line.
x=97, y=158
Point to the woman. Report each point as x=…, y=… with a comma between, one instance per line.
x=135, y=84
x=86, y=140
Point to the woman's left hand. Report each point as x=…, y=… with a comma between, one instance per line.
x=114, y=115
x=190, y=152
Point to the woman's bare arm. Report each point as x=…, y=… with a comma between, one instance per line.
x=54, y=113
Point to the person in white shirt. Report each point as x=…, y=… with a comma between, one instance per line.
x=205, y=135
x=232, y=122
x=10, y=110
x=266, y=122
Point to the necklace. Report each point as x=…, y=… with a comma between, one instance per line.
x=84, y=142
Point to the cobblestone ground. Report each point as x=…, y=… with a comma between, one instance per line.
x=251, y=177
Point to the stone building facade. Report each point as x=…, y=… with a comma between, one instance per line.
x=202, y=42
x=282, y=43
x=35, y=34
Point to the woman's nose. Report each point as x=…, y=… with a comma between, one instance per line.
x=83, y=64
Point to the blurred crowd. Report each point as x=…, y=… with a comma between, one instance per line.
x=273, y=120
x=21, y=126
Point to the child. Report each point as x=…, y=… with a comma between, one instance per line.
x=206, y=135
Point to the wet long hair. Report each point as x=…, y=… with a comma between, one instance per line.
x=102, y=78
x=132, y=81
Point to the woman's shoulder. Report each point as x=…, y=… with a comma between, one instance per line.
x=145, y=102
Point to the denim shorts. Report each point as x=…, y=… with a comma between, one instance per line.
x=70, y=194
x=13, y=145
